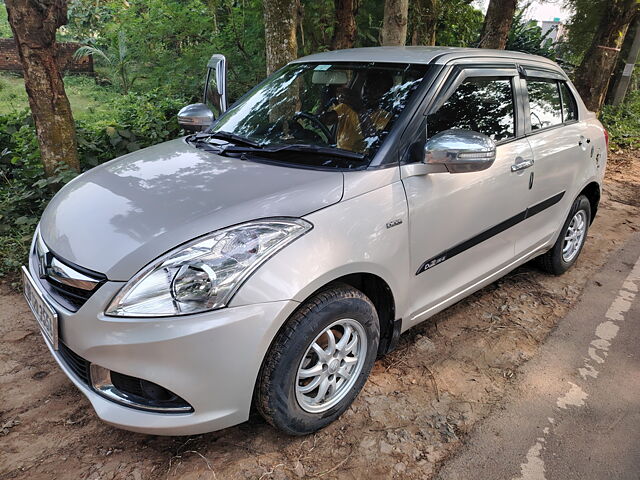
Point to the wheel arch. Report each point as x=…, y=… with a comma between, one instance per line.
x=592, y=192
x=380, y=294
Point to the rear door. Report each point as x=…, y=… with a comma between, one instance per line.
x=460, y=225
x=559, y=148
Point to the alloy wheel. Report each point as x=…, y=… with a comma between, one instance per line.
x=331, y=365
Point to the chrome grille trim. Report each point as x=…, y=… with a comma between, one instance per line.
x=69, y=286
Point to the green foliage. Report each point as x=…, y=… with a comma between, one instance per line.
x=5, y=29
x=87, y=19
x=526, y=36
x=459, y=24
x=581, y=27
x=317, y=26
x=171, y=41
x=623, y=122
x=118, y=62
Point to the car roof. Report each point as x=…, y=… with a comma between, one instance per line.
x=424, y=55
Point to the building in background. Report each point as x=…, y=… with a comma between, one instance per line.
x=553, y=29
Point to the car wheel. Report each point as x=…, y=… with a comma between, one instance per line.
x=319, y=361
x=567, y=248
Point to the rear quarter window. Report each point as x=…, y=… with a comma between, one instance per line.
x=544, y=103
x=569, y=106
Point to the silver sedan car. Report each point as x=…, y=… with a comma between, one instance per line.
x=268, y=258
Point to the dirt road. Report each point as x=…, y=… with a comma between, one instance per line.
x=419, y=404
x=574, y=411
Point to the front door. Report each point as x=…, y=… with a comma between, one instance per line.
x=460, y=225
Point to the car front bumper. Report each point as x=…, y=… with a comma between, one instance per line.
x=211, y=360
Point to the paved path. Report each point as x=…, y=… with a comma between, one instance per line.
x=576, y=410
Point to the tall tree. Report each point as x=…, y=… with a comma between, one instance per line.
x=345, y=29
x=497, y=23
x=593, y=75
x=34, y=24
x=280, y=22
x=628, y=57
x=425, y=21
x=394, y=25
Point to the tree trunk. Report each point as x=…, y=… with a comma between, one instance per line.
x=425, y=22
x=627, y=59
x=394, y=26
x=497, y=23
x=280, y=21
x=593, y=75
x=345, y=30
x=34, y=24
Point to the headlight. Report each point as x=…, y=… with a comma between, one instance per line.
x=204, y=274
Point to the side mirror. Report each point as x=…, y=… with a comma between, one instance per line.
x=458, y=151
x=195, y=117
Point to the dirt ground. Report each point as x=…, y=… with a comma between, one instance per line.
x=415, y=410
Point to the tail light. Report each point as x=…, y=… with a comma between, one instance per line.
x=606, y=138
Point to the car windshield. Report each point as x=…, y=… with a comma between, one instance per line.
x=347, y=108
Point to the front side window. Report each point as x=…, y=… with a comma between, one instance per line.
x=544, y=103
x=481, y=104
x=350, y=107
x=569, y=107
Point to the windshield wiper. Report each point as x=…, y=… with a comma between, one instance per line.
x=294, y=147
x=222, y=135
x=319, y=149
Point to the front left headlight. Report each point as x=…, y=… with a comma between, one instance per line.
x=205, y=273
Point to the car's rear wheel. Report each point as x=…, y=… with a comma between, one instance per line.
x=567, y=248
x=319, y=361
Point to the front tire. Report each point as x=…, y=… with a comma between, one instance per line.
x=567, y=248
x=319, y=361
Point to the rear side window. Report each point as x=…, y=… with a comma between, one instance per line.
x=544, y=103
x=569, y=107
x=481, y=104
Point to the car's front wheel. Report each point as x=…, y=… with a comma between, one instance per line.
x=319, y=361
x=572, y=237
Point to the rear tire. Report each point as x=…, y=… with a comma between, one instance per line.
x=567, y=248
x=308, y=357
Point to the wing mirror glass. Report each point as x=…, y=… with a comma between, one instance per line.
x=199, y=116
x=459, y=151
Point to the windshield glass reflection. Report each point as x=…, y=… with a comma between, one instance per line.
x=348, y=106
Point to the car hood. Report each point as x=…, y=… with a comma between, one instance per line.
x=118, y=217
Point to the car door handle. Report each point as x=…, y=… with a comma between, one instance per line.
x=522, y=165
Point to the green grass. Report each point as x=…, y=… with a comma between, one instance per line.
x=87, y=99
x=5, y=29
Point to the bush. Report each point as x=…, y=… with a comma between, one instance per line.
x=139, y=120
x=623, y=122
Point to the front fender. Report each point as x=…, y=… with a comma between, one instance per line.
x=353, y=236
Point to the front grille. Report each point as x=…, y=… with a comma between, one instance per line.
x=78, y=365
x=69, y=296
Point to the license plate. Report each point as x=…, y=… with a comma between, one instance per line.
x=46, y=316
